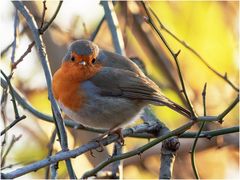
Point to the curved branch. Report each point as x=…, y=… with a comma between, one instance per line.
x=44, y=61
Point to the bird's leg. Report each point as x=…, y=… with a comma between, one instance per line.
x=118, y=131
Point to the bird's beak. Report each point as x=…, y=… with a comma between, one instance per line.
x=82, y=63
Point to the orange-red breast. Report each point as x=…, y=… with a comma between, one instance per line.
x=102, y=89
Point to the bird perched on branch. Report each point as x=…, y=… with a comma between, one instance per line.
x=101, y=89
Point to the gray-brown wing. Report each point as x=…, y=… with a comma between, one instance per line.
x=124, y=83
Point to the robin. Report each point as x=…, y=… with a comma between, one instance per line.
x=101, y=89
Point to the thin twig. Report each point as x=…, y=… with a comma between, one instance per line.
x=198, y=134
x=45, y=27
x=12, y=94
x=94, y=34
x=44, y=61
x=13, y=141
x=12, y=124
x=175, y=56
x=224, y=77
x=43, y=13
x=41, y=30
x=29, y=49
x=232, y=105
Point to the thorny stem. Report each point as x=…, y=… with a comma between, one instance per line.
x=224, y=77
x=175, y=56
x=198, y=134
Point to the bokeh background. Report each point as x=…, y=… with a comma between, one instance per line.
x=210, y=27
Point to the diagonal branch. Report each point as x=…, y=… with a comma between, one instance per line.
x=44, y=61
x=149, y=20
x=224, y=77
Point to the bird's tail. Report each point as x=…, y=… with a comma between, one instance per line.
x=179, y=109
x=162, y=100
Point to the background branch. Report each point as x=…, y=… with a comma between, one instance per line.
x=43, y=58
x=224, y=77
x=174, y=55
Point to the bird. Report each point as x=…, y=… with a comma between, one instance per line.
x=102, y=89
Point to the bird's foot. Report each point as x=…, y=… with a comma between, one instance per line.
x=118, y=131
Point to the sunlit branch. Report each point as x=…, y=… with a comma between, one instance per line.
x=224, y=77
x=198, y=134
x=174, y=55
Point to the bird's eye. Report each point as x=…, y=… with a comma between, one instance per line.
x=72, y=58
x=93, y=60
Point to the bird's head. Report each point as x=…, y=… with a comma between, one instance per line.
x=81, y=60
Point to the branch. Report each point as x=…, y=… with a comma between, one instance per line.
x=44, y=61
x=75, y=152
x=50, y=151
x=198, y=134
x=230, y=107
x=41, y=30
x=169, y=146
x=174, y=55
x=29, y=49
x=13, y=141
x=113, y=25
x=139, y=150
x=11, y=92
x=94, y=34
x=12, y=124
x=46, y=26
x=224, y=77
x=43, y=13
x=14, y=45
x=117, y=168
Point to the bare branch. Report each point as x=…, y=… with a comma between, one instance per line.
x=94, y=34
x=29, y=49
x=44, y=61
x=50, y=151
x=113, y=25
x=43, y=13
x=224, y=77
x=12, y=94
x=13, y=141
x=175, y=56
x=198, y=134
